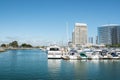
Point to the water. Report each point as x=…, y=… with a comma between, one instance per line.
x=34, y=65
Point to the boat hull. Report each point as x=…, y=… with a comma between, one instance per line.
x=54, y=56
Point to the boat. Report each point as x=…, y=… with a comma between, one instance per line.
x=114, y=55
x=118, y=53
x=72, y=55
x=95, y=55
x=2, y=49
x=54, y=52
x=65, y=57
x=83, y=55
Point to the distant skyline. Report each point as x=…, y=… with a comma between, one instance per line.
x=42, y=21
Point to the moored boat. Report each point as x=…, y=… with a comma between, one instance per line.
x=54, y=52
x=2, y=49
x=72, y=55
x=83, y=55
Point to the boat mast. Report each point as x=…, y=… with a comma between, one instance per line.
x=67, y=32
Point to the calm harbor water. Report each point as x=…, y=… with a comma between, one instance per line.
x=34, y=65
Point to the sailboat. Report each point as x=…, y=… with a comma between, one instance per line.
x=71, y=54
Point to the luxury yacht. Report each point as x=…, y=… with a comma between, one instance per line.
x=72, y=55
x=54, y=52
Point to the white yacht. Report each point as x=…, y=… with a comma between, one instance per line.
x=2, y=49
x=95, y=55
x=118, y=53
x=72, y=55
x=54, y=52
x=114, y=55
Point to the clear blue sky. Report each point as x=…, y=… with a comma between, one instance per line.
x=38, y=21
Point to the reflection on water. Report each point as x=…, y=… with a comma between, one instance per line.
x=53, y=69
x=34, y=65
x=54, y=65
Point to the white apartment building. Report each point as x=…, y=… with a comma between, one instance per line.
x=79, y=35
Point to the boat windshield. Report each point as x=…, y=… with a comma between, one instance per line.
x=54, y=49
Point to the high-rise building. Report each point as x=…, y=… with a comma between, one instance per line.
x=109, y=34
x=79, y=35
x=91, y=40
x=96, y=39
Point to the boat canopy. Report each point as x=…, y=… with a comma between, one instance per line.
x=54, y=49
x=83, y=54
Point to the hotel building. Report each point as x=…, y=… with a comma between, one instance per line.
x=79, y=35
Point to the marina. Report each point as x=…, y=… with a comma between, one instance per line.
x=34, y=65
x=57, y=52
x=59, y=40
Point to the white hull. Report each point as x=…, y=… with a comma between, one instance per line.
x=65, y=57
x=115, y=57
x=54, y=56
x=71, y=57
x=54, y=52
x=84, y=57
x=74, y=57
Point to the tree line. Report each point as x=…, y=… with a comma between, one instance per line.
x=15, y=44
x=113, y=45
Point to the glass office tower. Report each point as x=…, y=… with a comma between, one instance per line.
x=109, y=34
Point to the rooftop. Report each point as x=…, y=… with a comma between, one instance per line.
x=110, y=25
x=80, y=24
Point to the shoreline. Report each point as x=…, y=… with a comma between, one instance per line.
x=5, y=49
x=20, y=48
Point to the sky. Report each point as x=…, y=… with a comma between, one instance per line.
x=41, y=22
